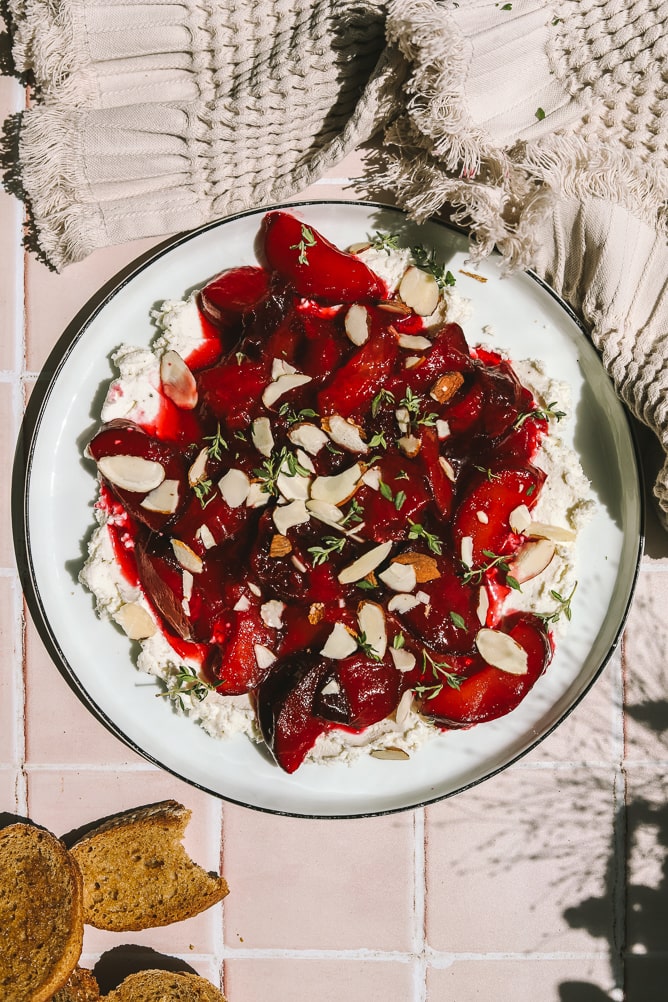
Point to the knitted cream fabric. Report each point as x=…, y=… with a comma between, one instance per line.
x=153, y=117
x=546, y=127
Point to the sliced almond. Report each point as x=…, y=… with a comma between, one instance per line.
x=187, y=582
x=394, y=306
x=279, y=367
x=359, y=247
x=482, y=517
x=365, y=564
x=234, y=487
x=447, y=468
x=371, y=621
x=206, y=537
x=403, y=602
x=275, y=390
x=186, y=557
x=131, y=473
x=372, y=478
x=425, y=567
x=419, y=290
x=257, y=496
x=399, y=577
x=403, y=417
x=163, y=499
x=412, y=361
x=519, y=518
x=446, y=386
x=413, y=342
x=337, y=489
x=390, y=753
x=501, y=651
x=262, y=436
x=356, y=324
x=339, y=644
x=308, y=436
x=305, y=460
x=332, y=688
x=404, y=707
x=442, y=429
x=467, y=551
x=280, y=546
x=178, y=381
x=483, y=605
x=403, y=660
x=345, y=433
x=197, y=471
x=263, y=656
x=135, y=621
x=557, y=533
x=288, y=515
x=242, y=605
x=325, y=512
x=531, y=559
x=409, y=445
x=293, y=488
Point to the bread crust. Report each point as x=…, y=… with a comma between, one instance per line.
x=137, y=874
x=81, y=986
x=157, y=986
x=41, y=913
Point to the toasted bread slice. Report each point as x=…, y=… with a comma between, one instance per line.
x=158, y=986
x=137, y=874
x=81, y=986
x=41, y=914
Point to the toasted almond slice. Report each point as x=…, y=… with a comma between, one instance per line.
x=300, y=566
x=243, y=604
x=325, y=512
x=371, y=620
x=365, y=564
x=308, y=436
x=187, y=558
x=402, y=414
x=419, y=290
x=132, y=473
x=413, y=342
x=483, y=605
x=293, y=488
x=275, y=390
x=412, y=360
x=305, y=460
x=399, y=577
x=262, y=436
x=447, y=468
x=359, y=247
x=531, y=559
x=316, y=613
x=234, y=487
x=403, y=602
x=404, y=706
x=271, y=613
x=287, y=515
x=279, y=367
x=519, y=518
x=206, y=537
x=263, y=656
x=257, y=496
x=557, y=533
x=280, y=546
x=340, y=643
x=446, y=386
x=252, y=587
x=372, y=478
x=394, y=306
x=345, y=433
x=332, y=688
x=390, y=753
x=135, y=621
x=337, y=489
x=425, y=567
x=442, y=429
x=178, y=381
x=197, y=471
x=482, y=517
x=403, y=660
x=356, y=324
x=163, y=499
x=409, y=445
x=467, y=550
x=187, y=582
x=501, y=651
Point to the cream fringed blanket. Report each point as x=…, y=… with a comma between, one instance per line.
x=545, y=126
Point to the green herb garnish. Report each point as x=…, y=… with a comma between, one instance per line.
x=307, y=240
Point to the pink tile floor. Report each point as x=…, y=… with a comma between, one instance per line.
x=544, y=884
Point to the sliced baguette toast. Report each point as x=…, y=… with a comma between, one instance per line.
x=41, y=914
x=81, y=986
x=159, y=986
x=137, y=874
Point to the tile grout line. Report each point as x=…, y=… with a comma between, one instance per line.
x=420, y=904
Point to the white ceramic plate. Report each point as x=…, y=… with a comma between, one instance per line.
x=60, y=488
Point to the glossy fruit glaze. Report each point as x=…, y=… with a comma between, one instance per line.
x=251, y=568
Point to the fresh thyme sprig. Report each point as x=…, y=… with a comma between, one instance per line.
x=354, y=514
x=546, y=413
x=398, y=499
x=417, y=531
x=331, y=544
x=563, y=607
x=413, y=404
x=187, y=683
x=442, y=672
x=274, y=465
x=202, y=491
x=366, y=647
x=426, y=259
x=291, y=416
x=475, y=576
x=307, y=240
x=217, y=443
x=382, y=397
x=384, y=241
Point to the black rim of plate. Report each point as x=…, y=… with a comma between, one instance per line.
x=20, y=497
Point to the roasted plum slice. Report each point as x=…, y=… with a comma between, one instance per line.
x=386, y=510
x=354, y=386
x=284, y=706
x=156, y=472
x=229, y=296
x=314, y=266
x=486, y=692
x=231, y=391
x=482, y=516
x=372, y=689
x=446, y=618
x=242, y=656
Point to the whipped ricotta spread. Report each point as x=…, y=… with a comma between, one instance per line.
x=565, y=501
